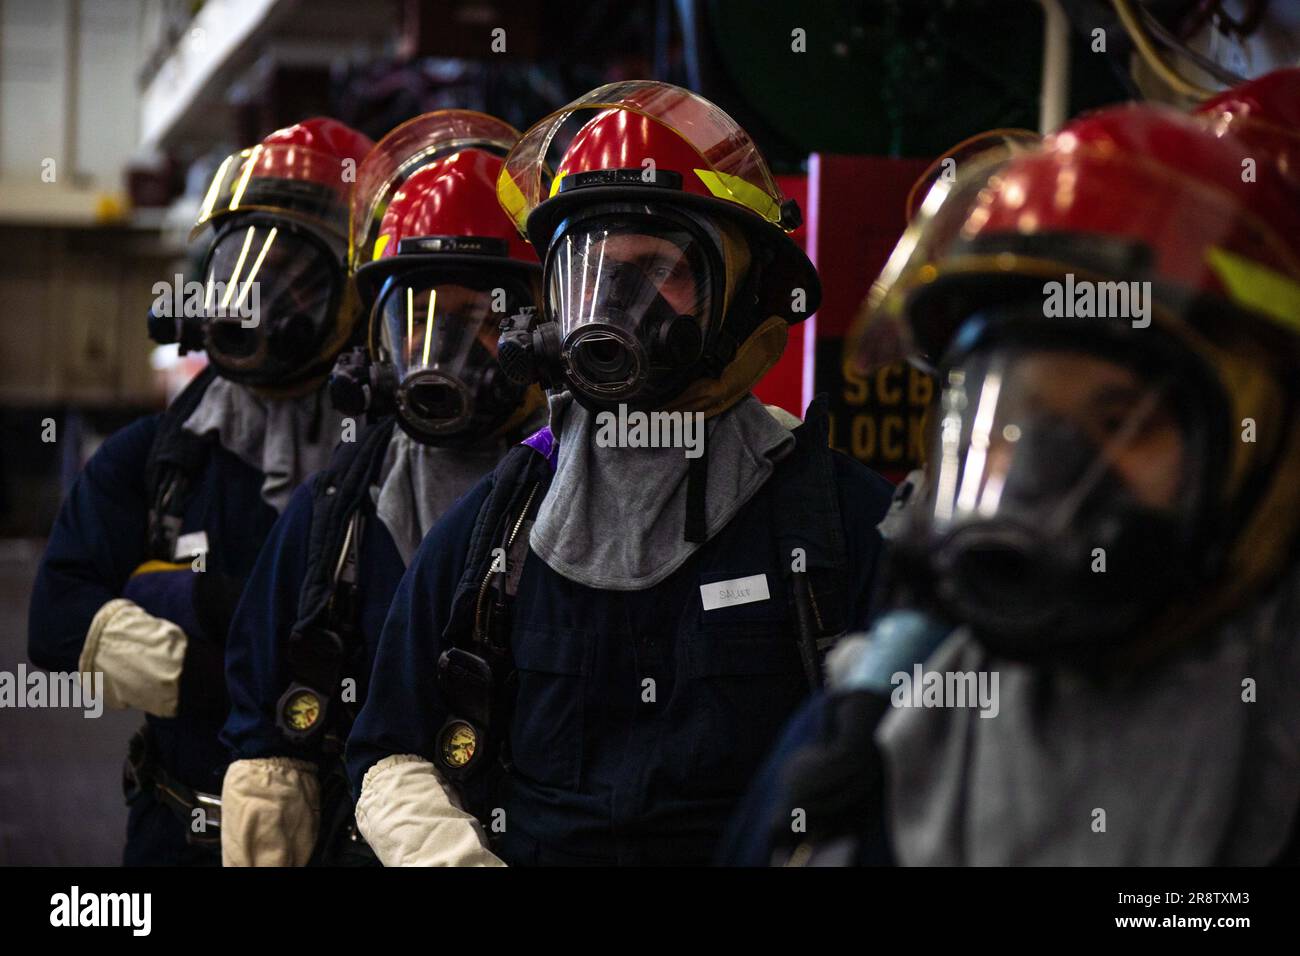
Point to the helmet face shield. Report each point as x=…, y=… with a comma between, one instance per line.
x=1033, y=433
x=282, y=179
x=439, y=330
x=403, y=153
x=729, y=165
x=1067, y=488
x=1023, y=218
x=270, y=293
x=635, y=298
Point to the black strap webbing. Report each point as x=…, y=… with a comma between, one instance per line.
x=809, y=531
x=338, y=492
x=175, y=459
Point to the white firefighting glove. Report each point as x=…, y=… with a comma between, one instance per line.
x=410, y=817
x=141, y=657
x=270, y=812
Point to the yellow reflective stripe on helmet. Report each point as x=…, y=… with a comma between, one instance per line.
x=380, y=245
x=512, y=199
x=735, y=189
x=1257, y=286
x=555, y=184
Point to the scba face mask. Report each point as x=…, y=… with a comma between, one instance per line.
x=438, y=332
x=634, y=297
x=271, y=293
x=1067, y=496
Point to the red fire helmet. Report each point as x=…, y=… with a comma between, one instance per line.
x=654, y=142
x=303, y=172
x=1135, y=192
x=445, y=212
x=1263, y=113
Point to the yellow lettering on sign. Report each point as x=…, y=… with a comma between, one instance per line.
x=885, y=394
x=864, y=436
x=916, y=439
x=891, y=429
x=855, y=386
x=920, y=387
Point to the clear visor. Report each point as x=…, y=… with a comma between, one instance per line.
x=732, y=166
x=406, y=150
x=268, y=290
x=1038, y=436
x=1041, y=214
x=994, y=143
x=283, y=179
x=628, y=300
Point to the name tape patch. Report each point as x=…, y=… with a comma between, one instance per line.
x=191, y=545
x=736, y=591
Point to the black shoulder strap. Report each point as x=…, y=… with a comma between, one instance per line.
x=517, y=481
x=175, y=458
x=810, y=538
x=337, y=493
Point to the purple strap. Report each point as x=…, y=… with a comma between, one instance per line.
x=543, y=442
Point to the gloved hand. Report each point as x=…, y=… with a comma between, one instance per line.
x=161, y=646
x=140, y=656
x=410, y=817
x=270, y=812
x=166, y=590
x=837, y=782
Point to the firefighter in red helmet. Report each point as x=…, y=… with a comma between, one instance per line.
x=1089, y=650
x=159, y=531
x=438, y=266
x=593, y=648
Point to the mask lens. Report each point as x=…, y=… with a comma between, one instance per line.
x=1061, y=486
x=425, y=323
x=440, y=332
x=268, y=292
x=1037, y=432
x=632, y=294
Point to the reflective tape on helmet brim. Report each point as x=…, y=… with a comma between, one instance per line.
x=512, y=200
x=724, y=186
x=1257, y=286
x=734, y=189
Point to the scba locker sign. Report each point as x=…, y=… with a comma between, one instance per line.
x=879, y=417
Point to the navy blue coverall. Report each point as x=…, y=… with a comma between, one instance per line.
x=98, y=541
x=256, y=673
x=599, y=775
